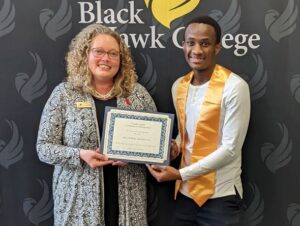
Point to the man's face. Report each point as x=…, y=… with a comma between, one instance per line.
x=200, y=48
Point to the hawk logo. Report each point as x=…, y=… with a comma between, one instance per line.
x=7, y=18
x=168, y=10
x=32, y=86
x=283, y=24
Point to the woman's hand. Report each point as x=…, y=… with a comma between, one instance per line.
x=174, y=150
x=93, y=158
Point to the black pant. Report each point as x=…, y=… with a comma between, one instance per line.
x=224, y=211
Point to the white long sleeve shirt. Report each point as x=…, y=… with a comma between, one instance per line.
x=234, y=120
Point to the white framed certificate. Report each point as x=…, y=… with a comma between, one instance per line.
x=137, y=136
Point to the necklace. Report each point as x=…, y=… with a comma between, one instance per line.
x=100, y=96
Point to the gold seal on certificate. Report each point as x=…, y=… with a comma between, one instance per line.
x=136, y=136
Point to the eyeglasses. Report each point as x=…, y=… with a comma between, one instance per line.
x=112, y=54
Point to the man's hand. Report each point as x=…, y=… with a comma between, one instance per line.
x=174, y=150
x=164, y=173
x=119, y=163
x=93, y=158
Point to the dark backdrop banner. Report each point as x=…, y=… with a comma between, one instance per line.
x=260, y=43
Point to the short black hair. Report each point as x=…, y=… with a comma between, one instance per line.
x=205, y=20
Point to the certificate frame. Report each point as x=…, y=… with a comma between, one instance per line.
x=135, y=145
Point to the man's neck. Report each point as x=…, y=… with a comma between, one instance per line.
x=201, y=77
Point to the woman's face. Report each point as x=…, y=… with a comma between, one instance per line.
x=104, y=58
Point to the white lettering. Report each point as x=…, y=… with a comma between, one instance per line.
x=99, y=12
x=253, y=38
x=90, y=13
x=109, y=16
x=175, y=37
x=119, y=16
x=142, y=40
x=125, y=38
x=134, y=16
x=240, y=39
x=84, y=12
x=139, y=39
x=241, y=42
x=225, y=39
x=154, y=41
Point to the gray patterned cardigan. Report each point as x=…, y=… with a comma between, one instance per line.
x=77, y=188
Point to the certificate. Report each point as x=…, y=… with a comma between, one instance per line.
x=136, y=136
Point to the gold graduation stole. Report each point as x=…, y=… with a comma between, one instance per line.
x=207, y=130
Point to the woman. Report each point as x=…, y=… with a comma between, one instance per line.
x=89, y=189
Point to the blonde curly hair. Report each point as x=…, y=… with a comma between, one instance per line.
x=80, y=76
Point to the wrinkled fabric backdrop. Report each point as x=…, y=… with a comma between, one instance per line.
x=260, y=43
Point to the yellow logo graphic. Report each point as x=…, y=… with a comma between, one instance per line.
x=165, y=11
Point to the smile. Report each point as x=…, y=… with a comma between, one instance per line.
x=197, y=60
x=104, y=67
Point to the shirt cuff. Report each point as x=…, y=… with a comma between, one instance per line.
x=184, y=173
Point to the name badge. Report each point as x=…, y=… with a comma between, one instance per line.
x=83, y=104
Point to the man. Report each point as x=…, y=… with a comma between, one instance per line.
x=213, y=110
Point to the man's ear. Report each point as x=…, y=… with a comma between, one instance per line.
x=218, y=48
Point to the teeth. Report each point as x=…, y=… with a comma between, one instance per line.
x=197, y=57
x=104, y=66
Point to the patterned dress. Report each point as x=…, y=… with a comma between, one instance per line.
x=78, y=190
